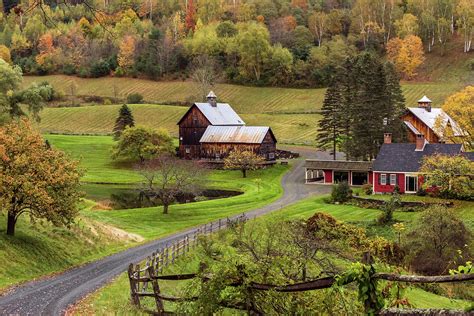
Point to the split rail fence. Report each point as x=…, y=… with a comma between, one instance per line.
x=141, y=277
x=146, y=277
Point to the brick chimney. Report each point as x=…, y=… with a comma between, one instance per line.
x=212, y=98
x=420, y=142
x=387, y=138
x=425, y=103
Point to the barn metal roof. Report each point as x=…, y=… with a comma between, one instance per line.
x=220, y=114
x=430, y=118
x=235, y=134
x=342, y=165
x=412, y=128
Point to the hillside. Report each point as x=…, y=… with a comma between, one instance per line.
x=292, y=113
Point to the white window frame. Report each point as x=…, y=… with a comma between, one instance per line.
x=271, y=155
x=187, y=150
x=383, y=179
x=393, y=179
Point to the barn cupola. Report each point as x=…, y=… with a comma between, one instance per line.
x=212, y=98
x=425, y=103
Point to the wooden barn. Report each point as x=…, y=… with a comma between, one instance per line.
x=211, y=130
x=432, y=123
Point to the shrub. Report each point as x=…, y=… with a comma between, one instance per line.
x=396, y=189
x=421, y=192
x=367, y=188
x=434, y=242
x=100, y=68
x=388, y=208
x=134, y=98
x=341, y=192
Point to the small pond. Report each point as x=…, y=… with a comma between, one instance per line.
x=121, y=196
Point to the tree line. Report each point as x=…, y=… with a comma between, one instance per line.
x=269, y=42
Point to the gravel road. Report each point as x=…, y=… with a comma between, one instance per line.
x=52, y=296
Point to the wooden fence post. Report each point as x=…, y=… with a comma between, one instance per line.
x=156, y=290
x=220, y=224
x=133, y=286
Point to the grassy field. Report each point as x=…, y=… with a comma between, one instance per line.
x=292, y=113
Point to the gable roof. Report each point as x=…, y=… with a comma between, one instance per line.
x=430, y=117
x=236, y=134
x=469, y=155
x=221, y=114
x=338, y=165
x=424, y=100
x=404, y=157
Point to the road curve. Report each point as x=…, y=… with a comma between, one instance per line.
x=53, y=295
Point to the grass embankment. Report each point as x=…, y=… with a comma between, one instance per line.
x=292, y=113
x=114, y=298
x=41, y=249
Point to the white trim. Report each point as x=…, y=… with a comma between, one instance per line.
x=383, y=179
x=416, y=182
x=393, y=176
x=389, y=171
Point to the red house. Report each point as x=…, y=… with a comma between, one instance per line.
x=399, y=164
x=395, y=165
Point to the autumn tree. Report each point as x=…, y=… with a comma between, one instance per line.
x=205, y=74
x=166, y=177
x=5, y=54
x=451, y=175
x=126, y=56
x=407, y=25
x=433, y=243
x=190, y=18
x=11, y=97
x=253, y=47
x=406, y=54
x=141, y=143
x=124, y=120
x=460, y=107
x=35, y=179
x=242, y=160
x=317, y=23
x=465, y=11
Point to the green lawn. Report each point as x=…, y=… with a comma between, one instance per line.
x=94, y=154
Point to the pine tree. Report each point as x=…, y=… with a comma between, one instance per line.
x=124, y=119
x=330, y=127
x=371, y=103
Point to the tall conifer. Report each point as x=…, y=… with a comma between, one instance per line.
x=330, y=127
x=124, y=119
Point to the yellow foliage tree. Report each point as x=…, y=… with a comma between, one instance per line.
x=5, y=54
x=406, y=54
x=460, y=107
x=127, y=53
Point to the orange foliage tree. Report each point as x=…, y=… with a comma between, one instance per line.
x=406, y=54
x=35, y=179
x=190, y=19
x=126, y=53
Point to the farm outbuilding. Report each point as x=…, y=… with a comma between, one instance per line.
x=212, y=130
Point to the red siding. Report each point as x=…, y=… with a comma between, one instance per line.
x=327, y=176
x=371, y=177
x=387, y=188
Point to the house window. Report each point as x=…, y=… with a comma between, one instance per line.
x=271, y=156
x=393, y=179
x=383, y=179
x=188, y=150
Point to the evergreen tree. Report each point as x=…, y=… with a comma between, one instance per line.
x=364, y=102
x=330, y=126
x=124, y=119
